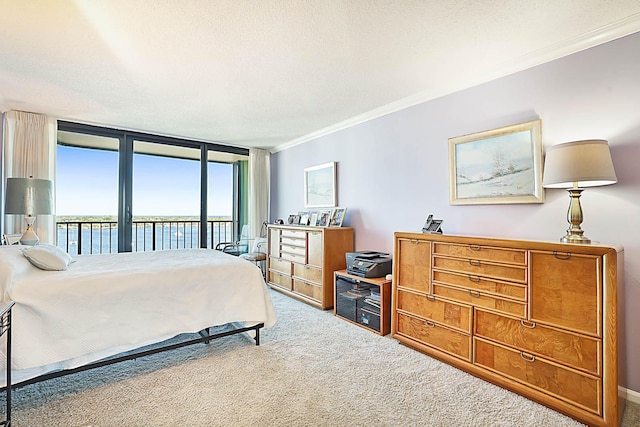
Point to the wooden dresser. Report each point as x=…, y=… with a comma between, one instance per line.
x=537, y=318
x=302, y=260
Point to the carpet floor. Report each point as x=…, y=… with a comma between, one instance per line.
x=311, y=369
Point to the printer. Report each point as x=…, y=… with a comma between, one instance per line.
x=368, y=263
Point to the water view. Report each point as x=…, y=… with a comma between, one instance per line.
x=83, y=235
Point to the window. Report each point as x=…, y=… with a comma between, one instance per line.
x=87, y=193
x=120, y=191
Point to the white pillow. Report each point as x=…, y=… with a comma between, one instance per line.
x=48, y=257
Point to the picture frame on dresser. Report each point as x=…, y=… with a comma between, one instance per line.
x=324, y=217
x=303, y=218
x=498, y=166
x=320, y=186
x=337, y=217
x=314, y=219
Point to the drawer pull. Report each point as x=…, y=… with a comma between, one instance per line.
x=430, y=298
x=429, y=323
x=473, y=278
x=565, y=257
x=527, y=324
x=475, y=247
x=474, y=262
x=528, y=359
x=475, y=294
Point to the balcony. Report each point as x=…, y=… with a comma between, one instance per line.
x=98, y=237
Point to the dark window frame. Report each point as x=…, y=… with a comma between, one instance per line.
x=125, y=174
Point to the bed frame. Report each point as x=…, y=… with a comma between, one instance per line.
x=205, y=337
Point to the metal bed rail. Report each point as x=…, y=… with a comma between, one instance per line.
x=205, y=337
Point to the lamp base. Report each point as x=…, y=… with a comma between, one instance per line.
x=575, y=238
x=29, y=238
x=575, y=234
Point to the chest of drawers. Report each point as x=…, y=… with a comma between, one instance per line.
x=301, y=261
x=537, y=318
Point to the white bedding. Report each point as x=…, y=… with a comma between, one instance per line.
x=106, y=304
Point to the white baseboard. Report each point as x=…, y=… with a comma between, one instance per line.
x=632, y=396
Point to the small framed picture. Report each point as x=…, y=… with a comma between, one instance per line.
x=324, y=217
x=338, y=217
x=314, y=219
x=296, y=220
x=291, y=218
x=304, y=217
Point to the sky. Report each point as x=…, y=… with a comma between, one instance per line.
x=87, y=184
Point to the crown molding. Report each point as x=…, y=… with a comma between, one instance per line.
x=607, y=33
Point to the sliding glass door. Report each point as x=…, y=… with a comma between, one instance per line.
x=87, y=193
x=166, y=197
x=128, y=191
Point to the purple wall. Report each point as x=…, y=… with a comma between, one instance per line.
x=393, y=171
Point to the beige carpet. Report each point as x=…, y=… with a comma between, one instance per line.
x=312, y=369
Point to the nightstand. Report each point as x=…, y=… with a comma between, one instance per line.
x=5, y=329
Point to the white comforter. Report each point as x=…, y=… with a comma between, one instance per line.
x=106, y=304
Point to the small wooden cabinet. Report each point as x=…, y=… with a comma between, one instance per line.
x=537, y=318
x=301, y=260
x=363, y=301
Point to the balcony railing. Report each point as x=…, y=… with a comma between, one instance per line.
x=97, y=237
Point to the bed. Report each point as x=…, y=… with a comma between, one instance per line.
x=104, y=305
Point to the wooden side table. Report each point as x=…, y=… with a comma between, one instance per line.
x=5, y=328
x=351, y=307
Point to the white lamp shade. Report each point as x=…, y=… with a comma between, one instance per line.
x=29, y=196
x=585, y=163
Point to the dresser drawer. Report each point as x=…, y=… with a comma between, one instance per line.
x=479, y=252
x=310, y=274
x=414, y=264
x=279, y=279
x=310, y=290
x=293, y=241
x=295, y=250
x=482, y=268
x=293, y=257
x=566, y=291
x=559, y=381
x=478, y=283
x=296, y=234
x=278, y=264
x=434, y=335
x=578, y=351
x=480, y=299
x=457, y=316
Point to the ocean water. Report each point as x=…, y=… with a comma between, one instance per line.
x=176, y=235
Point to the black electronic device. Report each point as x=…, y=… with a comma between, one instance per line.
x=368, y=263
x=432, y=225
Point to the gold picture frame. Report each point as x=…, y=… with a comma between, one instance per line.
x=499, y=166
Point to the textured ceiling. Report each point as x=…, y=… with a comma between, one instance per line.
x=273, y=73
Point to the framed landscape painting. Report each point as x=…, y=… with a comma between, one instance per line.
x=498, y=166
x=320, y=186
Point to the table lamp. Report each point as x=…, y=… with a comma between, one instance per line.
x=29, y=197
x=575, y=165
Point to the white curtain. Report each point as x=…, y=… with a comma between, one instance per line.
x=29, y=150
x=259, y=182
